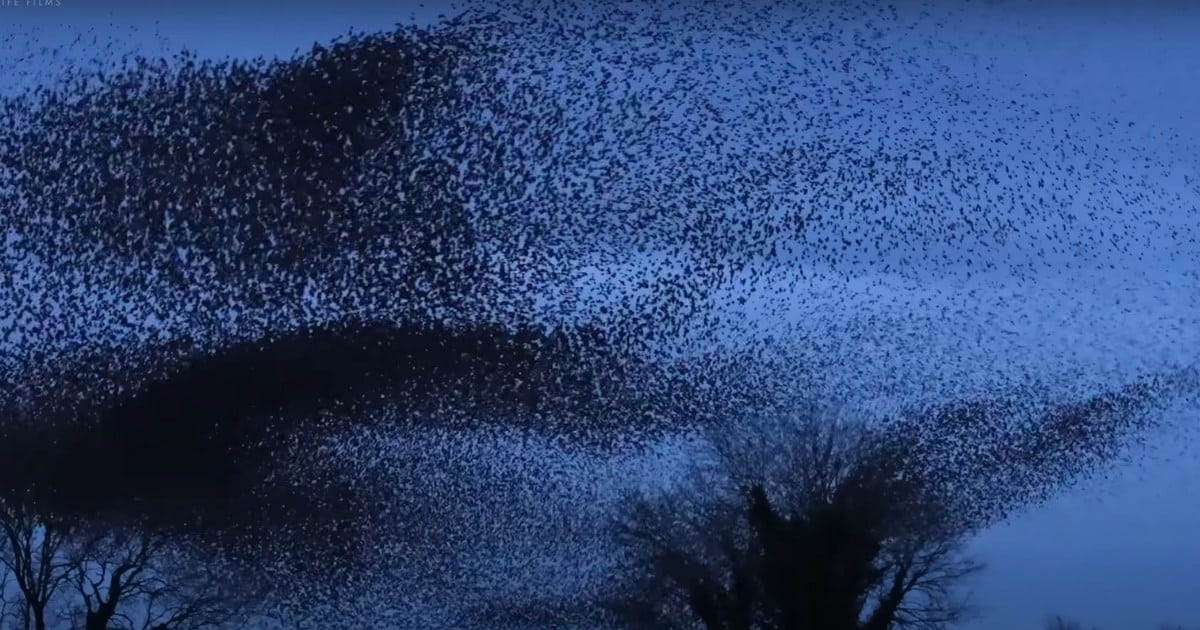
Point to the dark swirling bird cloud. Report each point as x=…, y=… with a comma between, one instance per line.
x=748, y=203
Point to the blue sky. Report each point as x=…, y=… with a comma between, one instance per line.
x=1119, y=553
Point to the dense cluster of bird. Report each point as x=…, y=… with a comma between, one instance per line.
x=265, y=281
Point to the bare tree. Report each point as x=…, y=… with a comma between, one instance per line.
x=809, y=524
x=103, y=580
x=135, y=579
x=33, y=554
x=790, y=524
x=125, y=578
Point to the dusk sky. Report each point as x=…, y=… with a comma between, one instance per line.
x=1121, y=552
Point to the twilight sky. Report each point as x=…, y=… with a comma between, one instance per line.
x=1119, y=552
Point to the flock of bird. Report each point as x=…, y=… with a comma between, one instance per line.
x=397, y=298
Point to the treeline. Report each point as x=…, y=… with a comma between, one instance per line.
x=60, y=574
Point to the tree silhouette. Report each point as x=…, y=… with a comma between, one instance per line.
x=816, y=524
x=135, y=579
x=833, y=533
x=121, y=578
x=32, y=553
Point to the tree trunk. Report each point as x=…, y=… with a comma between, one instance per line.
x=96, y=621
x=39, y=616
